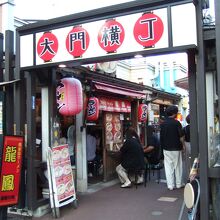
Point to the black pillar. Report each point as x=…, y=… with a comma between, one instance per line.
x=3, y=209
x=31, y=141
x=202, y=117
x=193, y=105
x=9, y=75
x=1, y=57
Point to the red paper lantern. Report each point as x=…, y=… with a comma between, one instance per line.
x=93, y=109
x=69, y=96
x=142, y=113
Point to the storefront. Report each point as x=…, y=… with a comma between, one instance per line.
x=39, y=71
x=116, y=105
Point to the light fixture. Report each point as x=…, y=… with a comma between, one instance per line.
x=137, y=56
x=62, y=65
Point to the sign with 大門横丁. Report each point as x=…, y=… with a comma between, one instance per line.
x=10, y=170
x=118, y=35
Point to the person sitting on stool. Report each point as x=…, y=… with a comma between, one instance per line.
x=132, y=158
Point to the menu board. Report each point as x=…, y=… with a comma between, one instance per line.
x=62, y=177
x=113, y=131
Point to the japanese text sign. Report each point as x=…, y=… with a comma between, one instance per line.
x=117, y=35
x=10, y=170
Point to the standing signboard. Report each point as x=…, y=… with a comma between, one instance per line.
x=62, y=188
x=11, y=170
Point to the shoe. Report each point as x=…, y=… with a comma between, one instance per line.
x=100, y=171
x=140, y=180
x=181, y=186
x=170, y=188
x=126, y=185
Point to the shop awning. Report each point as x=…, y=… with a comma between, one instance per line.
x=163, y=102
x=182, y=83
x=119, y=90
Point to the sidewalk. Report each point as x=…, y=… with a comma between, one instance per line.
x=107, y=201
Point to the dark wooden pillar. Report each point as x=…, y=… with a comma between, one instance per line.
x=202, y=117
x=134, y=113
x=31, y=142
x=9, y=75
x=193, y=104
x=1, y=57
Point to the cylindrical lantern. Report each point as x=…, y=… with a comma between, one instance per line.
x=142, y=113
x=69, y=96
x=93, y=109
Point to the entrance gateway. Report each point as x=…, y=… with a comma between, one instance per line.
x=154, y=27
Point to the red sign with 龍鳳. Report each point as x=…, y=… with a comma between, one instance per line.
x=10, y=170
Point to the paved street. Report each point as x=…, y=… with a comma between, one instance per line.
x=110, y=202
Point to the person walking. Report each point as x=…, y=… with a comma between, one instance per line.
x=172, y=143
x=132, y=158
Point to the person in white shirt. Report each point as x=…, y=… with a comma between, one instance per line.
x=92, y=159
x=90, y=147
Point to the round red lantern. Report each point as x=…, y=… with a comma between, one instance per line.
x=93, y=109
x=142, y=113
x=69, y=96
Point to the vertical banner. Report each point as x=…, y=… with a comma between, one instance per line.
x=11, y=170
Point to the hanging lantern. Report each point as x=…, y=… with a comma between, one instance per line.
x=69, y=96
x=93, y=109
x=142, y=113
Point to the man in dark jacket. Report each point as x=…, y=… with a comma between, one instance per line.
x=132, y=157
x=172, y=142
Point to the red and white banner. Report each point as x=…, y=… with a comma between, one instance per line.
x=11, y=170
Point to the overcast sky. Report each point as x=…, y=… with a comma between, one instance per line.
x=45, y=9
